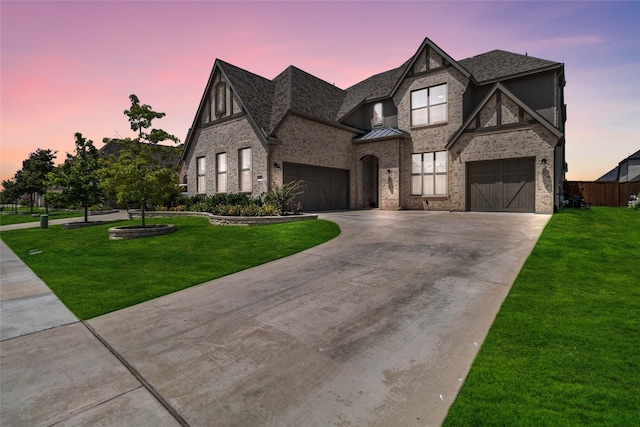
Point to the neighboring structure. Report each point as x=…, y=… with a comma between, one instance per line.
x=613, y=188
x=483, y=134
x=628, y=170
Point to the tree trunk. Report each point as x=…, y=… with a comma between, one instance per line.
x=86, y=214
x=142, y=211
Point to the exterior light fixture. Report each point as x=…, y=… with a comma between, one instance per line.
x=276, y=165
x=543, y=161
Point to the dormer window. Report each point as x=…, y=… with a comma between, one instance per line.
x=378, y=118
x=221, y=99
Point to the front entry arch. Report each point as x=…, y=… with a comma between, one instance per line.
x=370, y=192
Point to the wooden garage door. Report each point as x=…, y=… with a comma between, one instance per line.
x=325, y=188
x=501, y=185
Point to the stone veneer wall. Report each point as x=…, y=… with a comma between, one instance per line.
x=227, y=137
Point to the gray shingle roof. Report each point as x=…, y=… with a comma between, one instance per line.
x=612, y=175
x=499, y=64
x=255, y=91
x=377, y=86
x=293, y=90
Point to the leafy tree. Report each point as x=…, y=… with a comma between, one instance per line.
x=31, y=179
x=77, y=177
x=139, y=174
x=12, y=192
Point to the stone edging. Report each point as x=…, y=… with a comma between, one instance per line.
x=227, y=220
x=129, y=232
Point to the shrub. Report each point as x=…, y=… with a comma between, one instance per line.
x=269, y=209
x=283, y=196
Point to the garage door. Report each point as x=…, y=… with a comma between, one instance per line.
x=325, y=188
x=501, y=185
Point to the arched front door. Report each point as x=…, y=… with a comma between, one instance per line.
x=370, y=193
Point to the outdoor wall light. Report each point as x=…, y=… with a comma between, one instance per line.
x=388, y=172
x=543, y=161
x=276, y=165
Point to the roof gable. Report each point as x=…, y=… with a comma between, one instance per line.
x=499, y=88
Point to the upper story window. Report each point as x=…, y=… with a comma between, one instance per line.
x=378, y=118
x=429, y=105
x=221, y=172
x=244, y=160
x=201, y=174
x=220, y=99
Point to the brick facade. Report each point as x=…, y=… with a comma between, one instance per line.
x=325, y=128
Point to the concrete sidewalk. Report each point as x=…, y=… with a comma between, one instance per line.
x=115, y=216
x=53, y=370
x=376, y=327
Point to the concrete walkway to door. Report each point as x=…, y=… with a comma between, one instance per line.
x=376, y=327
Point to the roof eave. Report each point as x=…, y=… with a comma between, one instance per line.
x=521, y=74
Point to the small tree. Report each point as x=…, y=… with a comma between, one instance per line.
x=78, y=177
x=138, y=175
x=11, y=193
x=33, y=175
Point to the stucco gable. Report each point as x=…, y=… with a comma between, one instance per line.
x=486, y=114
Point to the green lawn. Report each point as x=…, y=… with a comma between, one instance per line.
x=93, y=275
x=564, y=349
x=8, y=217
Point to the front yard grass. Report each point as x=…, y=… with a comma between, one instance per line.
x=564, y=349
x=8, y=217
x=93, y=275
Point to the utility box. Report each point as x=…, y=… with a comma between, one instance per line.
x=44, y=221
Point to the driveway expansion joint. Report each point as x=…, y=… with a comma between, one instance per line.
x=138, y=377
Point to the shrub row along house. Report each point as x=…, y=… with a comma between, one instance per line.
x=482, y=134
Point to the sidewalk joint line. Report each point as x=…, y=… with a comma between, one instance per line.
x=138, y=376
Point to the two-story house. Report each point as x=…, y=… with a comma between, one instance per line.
x=482, y=134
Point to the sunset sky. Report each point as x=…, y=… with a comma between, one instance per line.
x=70, y=66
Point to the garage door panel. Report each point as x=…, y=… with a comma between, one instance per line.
x=501, y=186
x=325, y=188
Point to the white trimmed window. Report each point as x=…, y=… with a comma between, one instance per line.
x=221, y=172
x=378, y=119
x=244, y=160
x=201, y=168
x=429, y=174
x=429, y=105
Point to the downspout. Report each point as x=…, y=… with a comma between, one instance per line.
x=399, y=174
x=269, y=151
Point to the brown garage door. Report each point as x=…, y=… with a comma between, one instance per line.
x=501, y=185
x=325, y=188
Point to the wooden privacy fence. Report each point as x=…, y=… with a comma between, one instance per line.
x=602, y=193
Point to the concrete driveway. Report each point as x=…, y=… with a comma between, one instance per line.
x=377, y=327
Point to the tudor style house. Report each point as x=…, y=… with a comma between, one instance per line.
x=480, y=134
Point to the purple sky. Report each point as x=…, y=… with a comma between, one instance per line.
x=70, y=66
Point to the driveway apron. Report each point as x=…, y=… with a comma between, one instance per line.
x=376, y=327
